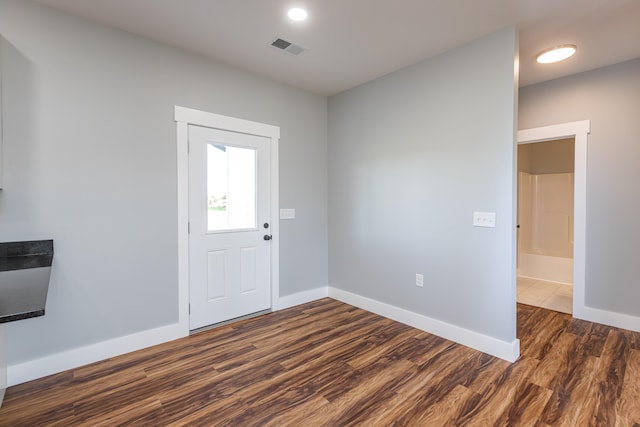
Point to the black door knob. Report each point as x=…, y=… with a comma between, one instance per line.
x=267, y=237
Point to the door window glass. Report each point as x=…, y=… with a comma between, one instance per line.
x=231, y=187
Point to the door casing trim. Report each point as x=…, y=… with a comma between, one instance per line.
x=188, y=116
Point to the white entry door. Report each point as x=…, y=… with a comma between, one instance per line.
x=230, y=231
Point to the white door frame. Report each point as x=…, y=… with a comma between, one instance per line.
x=185, y=117
x=579, y=130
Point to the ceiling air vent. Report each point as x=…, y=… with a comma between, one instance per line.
x=288, y=47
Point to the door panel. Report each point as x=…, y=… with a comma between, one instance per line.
x=216, y=277
x=229, y=258
x=248, y=259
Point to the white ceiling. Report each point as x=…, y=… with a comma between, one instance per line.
x=350, y=42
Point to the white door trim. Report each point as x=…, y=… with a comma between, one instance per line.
x=579, y=130
x=185, y=117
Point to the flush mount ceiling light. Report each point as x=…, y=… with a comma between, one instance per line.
x=558, y=53
x=297, y=14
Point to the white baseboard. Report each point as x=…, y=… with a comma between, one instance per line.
x=610, y=318
x=509, y=351
x=298, y=298
x=59, y=362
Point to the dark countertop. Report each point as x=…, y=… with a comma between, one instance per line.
x=22, y=255
x=25, y=268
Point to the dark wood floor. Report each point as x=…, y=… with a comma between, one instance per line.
x=330, y=364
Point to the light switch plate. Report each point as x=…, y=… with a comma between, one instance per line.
x=484, y=219
x=287, y=213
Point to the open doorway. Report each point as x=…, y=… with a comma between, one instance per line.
x=579, y=132
x=545, y=224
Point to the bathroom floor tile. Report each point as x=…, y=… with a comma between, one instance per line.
x=542, y=287
x=566, y=290
x=540, y=291
x=549, y=295
x=525, y=282
x=530, y=300
x=560, y=303
x=532, y=297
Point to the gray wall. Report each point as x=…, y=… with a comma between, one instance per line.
x=411, y=156
x=90, y=161
x=610, y=98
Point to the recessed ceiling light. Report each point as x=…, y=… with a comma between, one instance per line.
x=558, y=53
x=297, y=14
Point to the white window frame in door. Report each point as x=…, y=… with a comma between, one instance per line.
x=580, y=131
x=188, y=116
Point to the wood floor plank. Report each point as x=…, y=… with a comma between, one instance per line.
x=497, y=399
x=543, y=335
x=352, y=408
x=432, y=346
x=549, y=371
x=25, y=393
x=216, y=413
x=328, y=363
x=634, y=339
x=135, y=412
x=528, y=403
x=44, y=416
x=491, y=369
x=628, y=406
x=610, y=377
x=594, y=340
x=352, y=343
x=434, y=381
x=383, y=343
x=206, y=390
x=574, y=402
x=442, y=412
x=528, y=320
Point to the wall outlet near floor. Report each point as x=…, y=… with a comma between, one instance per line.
x=420, y=280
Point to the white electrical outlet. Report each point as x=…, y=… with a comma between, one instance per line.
x=484, y=219
x=287, y=213
x=420, y=280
